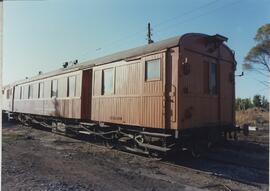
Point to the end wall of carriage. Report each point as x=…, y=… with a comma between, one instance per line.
x=7, y=98
x=199, y=105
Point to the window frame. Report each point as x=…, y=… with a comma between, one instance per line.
x=26, y=89
x=113, y=81
x=52, y=86
x=39, y=94
x=8, y=94
x=213, y=90
x=30, y=96
x=21, y=92
x=68, y=85
x=146, y=70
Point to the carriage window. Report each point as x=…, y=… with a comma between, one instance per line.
x=30, y=91
x=8, y=94
x=54, y=91
x=16, y=93
x=152, y=70
x=71, y=87
x=107, y=81
x=213, y=78
x=25, y=91
x=11, y=92
x=40, y=90
x=21, y=92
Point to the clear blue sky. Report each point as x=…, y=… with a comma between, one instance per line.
x=41, y=35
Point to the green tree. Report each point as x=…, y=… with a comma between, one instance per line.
x=257, y=101
x=258, y=57
x=238, y=104
x=243, y=104
x=247, y=103
x=265, y=103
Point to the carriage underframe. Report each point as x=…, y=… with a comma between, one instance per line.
x=140, y=140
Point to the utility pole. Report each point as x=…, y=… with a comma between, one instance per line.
x=149, y=34
x=1, y=62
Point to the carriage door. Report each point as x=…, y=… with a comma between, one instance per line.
x=86, y=94
x=153, y=91
x=12, y=98
x=171, y=87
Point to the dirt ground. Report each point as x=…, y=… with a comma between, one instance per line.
x=36, y=160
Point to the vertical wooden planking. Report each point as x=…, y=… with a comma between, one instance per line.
x=226, y=92
x=153, y=108
x=117, y=107
x=195, y=96
x=60, y=106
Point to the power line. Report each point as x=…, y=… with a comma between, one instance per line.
x=262, y=90
x=158, y=24
x=199, y=16
x=185, y=13
x=183, y=21
x=264, y=83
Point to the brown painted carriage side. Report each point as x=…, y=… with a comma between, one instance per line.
x=134, y=100
x=173, y=101
x=164, y=103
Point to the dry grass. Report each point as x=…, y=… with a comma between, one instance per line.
x=252, y=116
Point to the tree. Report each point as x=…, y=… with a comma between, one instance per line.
x=243, y=104
x=246, y=104
x=238, y=104
x=257, y=101
x=265, y=103
x=258, y=57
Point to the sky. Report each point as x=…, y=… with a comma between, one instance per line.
x=40, y=35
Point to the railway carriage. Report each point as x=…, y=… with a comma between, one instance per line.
x=155, y=97
x=7, y=98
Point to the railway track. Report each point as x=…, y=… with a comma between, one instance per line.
x=214, y=159
x=212, y=174
x=157, y=160
x=177, y=166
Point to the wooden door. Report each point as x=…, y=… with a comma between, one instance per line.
x=86, y=96
x=153, y=91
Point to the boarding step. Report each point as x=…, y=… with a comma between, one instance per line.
x=88, y=124
x=155, y=134
x=86, y=132
x=154, y=147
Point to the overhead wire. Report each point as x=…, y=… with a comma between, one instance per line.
x=155, y=25
x=198, y=16
x=185, y=13
x=164, y=22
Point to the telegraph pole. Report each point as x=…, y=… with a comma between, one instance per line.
x=1, y=72
x=149, y=34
